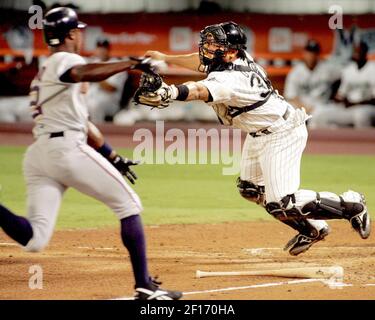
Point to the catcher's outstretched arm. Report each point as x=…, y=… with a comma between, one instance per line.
x=197, y=91
x=154, y=92
x=189, y=61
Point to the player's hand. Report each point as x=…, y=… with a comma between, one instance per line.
x=143, y=64
x=155, y=55
x=348, y=104
x=123, y=166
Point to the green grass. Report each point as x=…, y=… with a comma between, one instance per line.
x=188, y=193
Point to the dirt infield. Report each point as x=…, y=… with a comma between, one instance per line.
x=92, y=264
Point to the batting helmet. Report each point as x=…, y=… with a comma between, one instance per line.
x=57, y=23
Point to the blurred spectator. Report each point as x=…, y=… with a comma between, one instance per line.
x=41, y=4
x=355, y=100
x=68, y=5
x=312, y=82
x=15, y=109
x=104, y=97
x=343, y=45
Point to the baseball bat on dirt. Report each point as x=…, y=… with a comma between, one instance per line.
x=336, y=272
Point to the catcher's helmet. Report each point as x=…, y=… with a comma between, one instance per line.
x=236, y=37
x=57, y=23
x=227, y=35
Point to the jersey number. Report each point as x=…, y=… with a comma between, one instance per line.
x=257, y=80
x=36, y=109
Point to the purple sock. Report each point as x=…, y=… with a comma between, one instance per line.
x=16, y=227
x=133, y=237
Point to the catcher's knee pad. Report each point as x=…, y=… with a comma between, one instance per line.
x=282, y=211
x=251, y=191
x=291, y=217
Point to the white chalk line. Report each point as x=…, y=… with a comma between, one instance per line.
x=336, y=285
x=263, y=285
x=93, y=248
x=254, y=286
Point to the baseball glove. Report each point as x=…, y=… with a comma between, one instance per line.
x=152, y=91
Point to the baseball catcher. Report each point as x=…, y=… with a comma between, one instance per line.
x=243, y=97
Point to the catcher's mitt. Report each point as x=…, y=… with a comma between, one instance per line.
x=152, y=91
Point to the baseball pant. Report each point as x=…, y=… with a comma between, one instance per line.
x=51, y=165
x=274, y=161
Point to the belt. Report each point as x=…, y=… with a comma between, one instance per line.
x=265, y=132
x=56, y=134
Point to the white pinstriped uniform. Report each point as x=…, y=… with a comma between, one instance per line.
x=271, y=160
x=51, y=165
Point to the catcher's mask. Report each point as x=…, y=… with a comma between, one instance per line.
x=212, y=47
x=216, y=40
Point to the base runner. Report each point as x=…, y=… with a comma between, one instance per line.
x=69, y=151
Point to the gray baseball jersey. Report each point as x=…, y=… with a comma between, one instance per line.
x=56, y=105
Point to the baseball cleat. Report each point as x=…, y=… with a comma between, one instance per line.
x=154, y=292
x=301, y=243
x=360, y=222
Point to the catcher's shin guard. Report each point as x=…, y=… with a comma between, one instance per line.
x=350, y=205
x=292, y=218
x=251, y=191
x=309, y=231
x=359, y=217
x=326, y=205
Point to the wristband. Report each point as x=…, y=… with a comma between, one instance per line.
x=183, y=92
x=105, y=150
